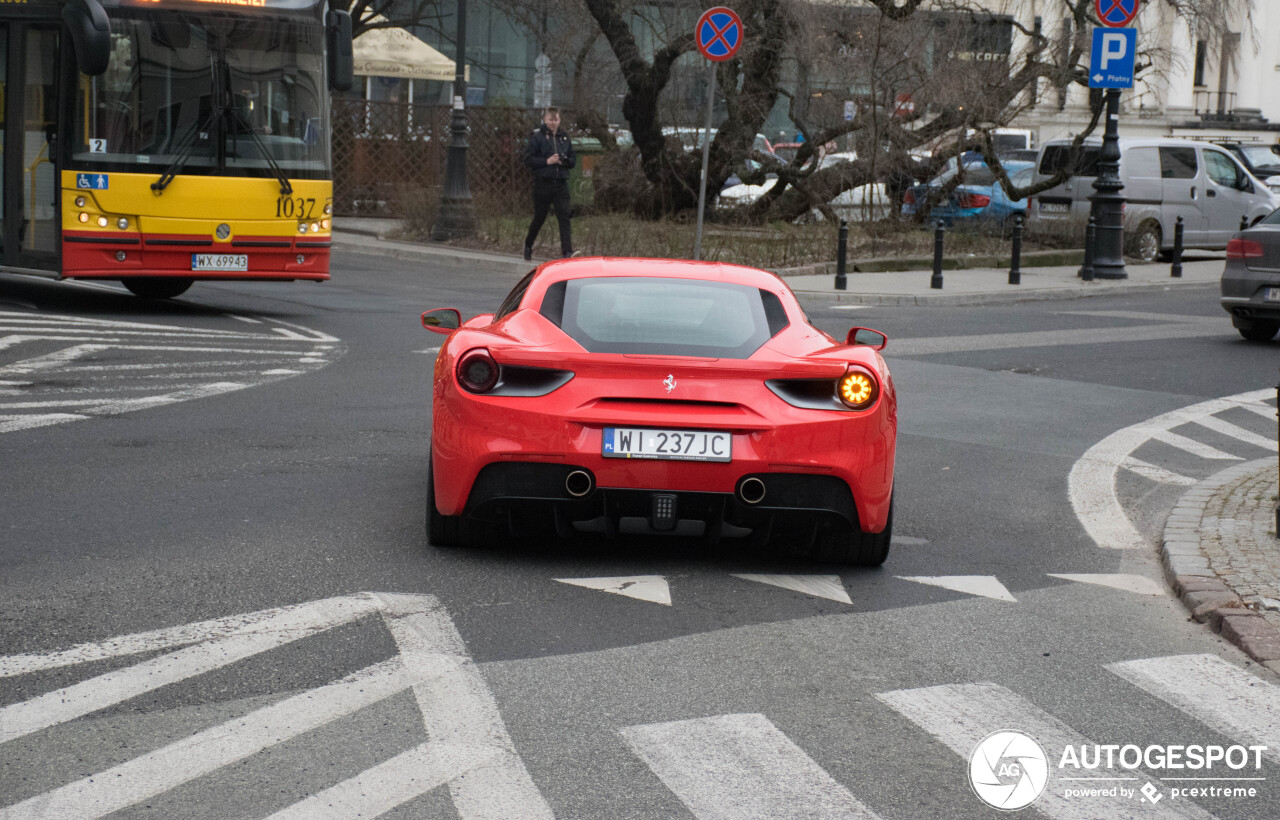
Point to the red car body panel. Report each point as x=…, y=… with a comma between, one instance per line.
x=770, y=435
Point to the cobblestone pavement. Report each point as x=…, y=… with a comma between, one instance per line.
x=1222, y=557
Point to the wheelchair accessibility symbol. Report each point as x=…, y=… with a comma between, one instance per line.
x=93, y=182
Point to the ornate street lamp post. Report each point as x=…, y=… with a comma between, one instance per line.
x=457, y=216
x=1107, y=203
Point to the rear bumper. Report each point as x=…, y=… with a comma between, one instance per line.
x=788, y=447
x=1243, y=290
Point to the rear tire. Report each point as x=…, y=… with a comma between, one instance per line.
x=160, y=287
x=1145, y=244
x=442, y=530
x=1258, y=330
x=862, y=549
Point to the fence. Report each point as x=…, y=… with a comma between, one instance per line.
x=386, y=153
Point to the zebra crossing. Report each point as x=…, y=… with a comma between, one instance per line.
x=56, y=369
x=1175, y=449
x=722, y=766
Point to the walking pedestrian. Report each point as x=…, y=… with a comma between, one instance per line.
x=549, y=156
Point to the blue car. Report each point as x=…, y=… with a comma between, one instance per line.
x=979, y=200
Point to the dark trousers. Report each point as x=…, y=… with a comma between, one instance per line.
x=546, y=193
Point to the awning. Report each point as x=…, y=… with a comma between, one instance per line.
x=394, y=52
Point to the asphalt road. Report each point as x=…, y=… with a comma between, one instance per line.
x=251, y=447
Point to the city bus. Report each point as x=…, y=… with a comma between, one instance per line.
x=160, y=142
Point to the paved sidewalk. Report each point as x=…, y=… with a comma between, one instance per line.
x=974, y=286
x=1221, y=555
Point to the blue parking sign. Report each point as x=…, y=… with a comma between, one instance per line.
x=93, y=182
x=1111, y=63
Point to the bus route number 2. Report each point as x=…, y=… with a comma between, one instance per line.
x=287, y=206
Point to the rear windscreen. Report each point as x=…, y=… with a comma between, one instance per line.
x=664, y=317
x=1057, y=157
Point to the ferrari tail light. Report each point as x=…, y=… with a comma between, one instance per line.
x=1243, y=249
x=973, y=200
x=477, y=371
x=858, y=389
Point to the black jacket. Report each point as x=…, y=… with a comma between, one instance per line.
x=541, y=146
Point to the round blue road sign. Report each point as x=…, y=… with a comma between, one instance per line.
x=719, y=33
x=1116, y=13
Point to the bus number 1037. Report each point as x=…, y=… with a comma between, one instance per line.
x=296, y=207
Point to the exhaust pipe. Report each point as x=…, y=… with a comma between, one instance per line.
x=751, y=490
x=578, y=483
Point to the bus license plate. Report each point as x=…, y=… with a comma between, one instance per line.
x=1272, y=295
x=219, y=261
x=683, y=445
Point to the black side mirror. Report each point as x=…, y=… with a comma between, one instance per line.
x=340, y=50
x=90, y=35
x=442, y=320
x=867, y=336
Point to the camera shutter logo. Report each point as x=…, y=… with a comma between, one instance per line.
x=1008, y=770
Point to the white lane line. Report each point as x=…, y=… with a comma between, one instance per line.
x=394, y=782
x=428, y=350
x=850, y=307
x=127, y=368
x=75, y=324
x=735, y=767
x=1140, y=584
x=961, y=715
x=1091, y=485
x=246, y=319
x=821, y=586
x=1235, y=431
x=1267, y=411
x=1157, y=474
x=1234, y=702
x=147, y=402
x=240, y=351
x=1190, y=445
x=987, y=586
x=652, y=588
x=10, y=341
x=290, y=334
x=458, y=708
x=50, y=360
x=12, y=424
x=154, y=773
x=314, y=335
x=71, y=702
x=321, y=614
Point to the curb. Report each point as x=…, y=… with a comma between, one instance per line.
x=1015, y=293
x=1210, y=600
x=892, y=264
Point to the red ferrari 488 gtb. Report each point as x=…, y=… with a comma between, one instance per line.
x=647, y=396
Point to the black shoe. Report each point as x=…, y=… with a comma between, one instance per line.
x=528, y=253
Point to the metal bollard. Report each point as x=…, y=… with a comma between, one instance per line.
x=935, y=281
x=1175, y=270
x=842, y=247
x=1244, y=222
x=1015, y=262
x=1090, y=233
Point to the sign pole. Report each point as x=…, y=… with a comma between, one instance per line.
x=706, y=155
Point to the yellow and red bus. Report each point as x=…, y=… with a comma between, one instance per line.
x=160, y=142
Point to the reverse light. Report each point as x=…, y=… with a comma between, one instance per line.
x=857, y=389
x=1243, y=249
x=477, y=371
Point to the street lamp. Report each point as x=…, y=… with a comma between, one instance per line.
x=457, y=216
x=1107, y=203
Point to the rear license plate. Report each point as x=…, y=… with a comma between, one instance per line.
x=683, y=445
x=1271, y=294
x=1054, y=207
x=219, y=261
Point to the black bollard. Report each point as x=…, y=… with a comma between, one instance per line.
x=935, y=281
x=1244, y=222
x=1090, y=233
x=1175, y=270
x=1015, y=263
x=842, y=247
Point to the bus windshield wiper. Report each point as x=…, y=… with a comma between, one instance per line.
x=184, y=152
x=243, y=124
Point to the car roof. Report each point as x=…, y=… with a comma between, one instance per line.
x=604, y=267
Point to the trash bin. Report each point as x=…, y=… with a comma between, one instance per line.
x=581, y=182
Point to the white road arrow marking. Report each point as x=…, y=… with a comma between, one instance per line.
x=740, y=767
x=1140, y=584
x=642, y=587
x=985, y=585
x=820, y=586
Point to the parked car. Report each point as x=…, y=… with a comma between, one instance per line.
x=979, y=200
x=661, y=397
x=1262, y=161
x=1163, y=178
x=1251, y=280
x=862, y=202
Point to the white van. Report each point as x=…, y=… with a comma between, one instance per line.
x=1163, y=178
